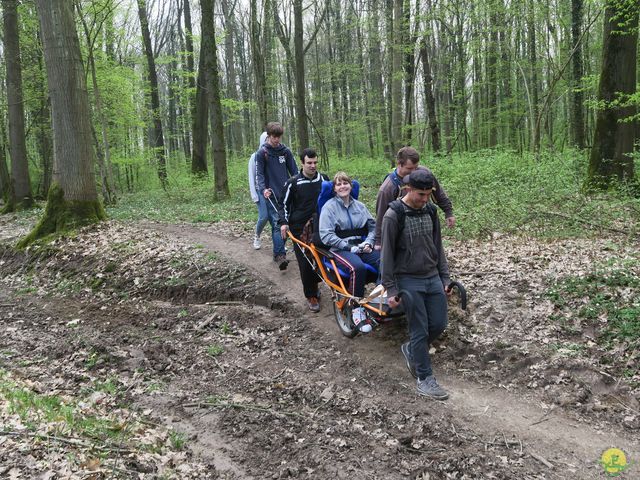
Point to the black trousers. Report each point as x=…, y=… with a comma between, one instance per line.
x=309, y=278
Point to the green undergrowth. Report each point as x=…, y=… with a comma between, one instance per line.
x=492, y=191
x=605, y=301
x=56, y=415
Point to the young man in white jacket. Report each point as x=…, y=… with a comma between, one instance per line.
x=257, y=197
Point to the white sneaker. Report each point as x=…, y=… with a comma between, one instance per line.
x=359, y=317
x=257, y=243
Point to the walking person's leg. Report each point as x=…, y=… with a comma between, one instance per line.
x=263, y=218
x=308, y=277
x=279, y=254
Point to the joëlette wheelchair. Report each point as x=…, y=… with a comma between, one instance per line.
x=324, y=264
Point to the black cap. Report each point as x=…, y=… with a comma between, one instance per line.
x=420, y=179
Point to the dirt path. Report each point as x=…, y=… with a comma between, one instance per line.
x=565, y=447
x=205, y=344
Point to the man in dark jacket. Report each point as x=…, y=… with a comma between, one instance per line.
x=391, y=189
x=413, y=260
x=274, y=165
x=298, y=205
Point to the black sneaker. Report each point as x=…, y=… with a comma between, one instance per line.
x=406, y=352
x=282, y=262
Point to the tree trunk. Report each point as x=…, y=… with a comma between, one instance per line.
x=375, y=71
x=73, y=198
x=103, y=150
x=235, y=127
x=300, y=97
x=191, y=81
x=614, y=137
x=533, y=84
x=259, y=64
x=157, y=136
x=492, y=75
x=577, y=98
x=397, y=57
x=430, y=100
x=20, y=191
x=221, y=183
x=200, y=119
x=4, y=173
x=409, y=69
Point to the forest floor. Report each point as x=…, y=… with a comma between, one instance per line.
x=177, y=351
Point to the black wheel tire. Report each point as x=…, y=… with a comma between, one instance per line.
x=344, y=321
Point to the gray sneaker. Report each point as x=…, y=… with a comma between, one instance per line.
x=406, y=351
x=429, y=388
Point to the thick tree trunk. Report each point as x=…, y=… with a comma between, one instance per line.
x=200, y=120
x=533, y=84
x=610, y=159
x=300, y=92
x=157, y=136
x=577, y=98
x=492, y=75
x=20, y=180
x=378, y=110
x=72, y=199
x=221, y=182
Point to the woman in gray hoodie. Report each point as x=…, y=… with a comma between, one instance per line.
x=344, y=222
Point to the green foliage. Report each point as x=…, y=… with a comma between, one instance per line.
x=608, y=298
x=492, y=191
x=215, y=350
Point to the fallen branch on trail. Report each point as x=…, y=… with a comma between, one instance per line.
x=240, y=406
x=77, y=442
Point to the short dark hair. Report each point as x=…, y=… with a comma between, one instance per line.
x=274, y=129
x=307, y=152
x=407, y=153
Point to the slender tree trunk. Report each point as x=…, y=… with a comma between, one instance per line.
x=533, y=84
x=430, y=101
x=257, y=47
x=157, y=136
x=409, y=69
x=492, y=74
x=20, y=181
x=200, y=119
x=300, y=92
x=577, y=98
x=235, y=128
x=4, y=173
x=103, y=150
x=221, y=183
x=377, y=90
x=191, y=80
x=73, y=199
x=614, y=137
x=397, y=56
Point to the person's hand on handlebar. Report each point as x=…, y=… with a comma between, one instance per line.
x=394, y=301
x=283, y=231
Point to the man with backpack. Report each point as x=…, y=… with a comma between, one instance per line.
x=274, y=165
x=297, y=207
x=391, y=189
x=414, y=263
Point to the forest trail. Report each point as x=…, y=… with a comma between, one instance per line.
x=563, y=447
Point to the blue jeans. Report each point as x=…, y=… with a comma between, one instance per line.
x=276, y=237
x=426, y=311
x=263, y=215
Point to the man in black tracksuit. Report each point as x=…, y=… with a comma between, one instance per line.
x=298, y=204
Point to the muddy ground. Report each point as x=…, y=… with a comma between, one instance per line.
x=215, y=369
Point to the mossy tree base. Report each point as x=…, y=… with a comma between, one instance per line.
x=62, y=215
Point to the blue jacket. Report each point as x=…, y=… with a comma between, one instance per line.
x=274, y=166
x=335, y=216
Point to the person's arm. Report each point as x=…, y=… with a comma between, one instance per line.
x=327, y=228
x=443, y=265
x=371, y=227
x=383, y=199
x=292, y=168
x=260, y=168
x=387, y=256
x=252, y=178
x=441, y=199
